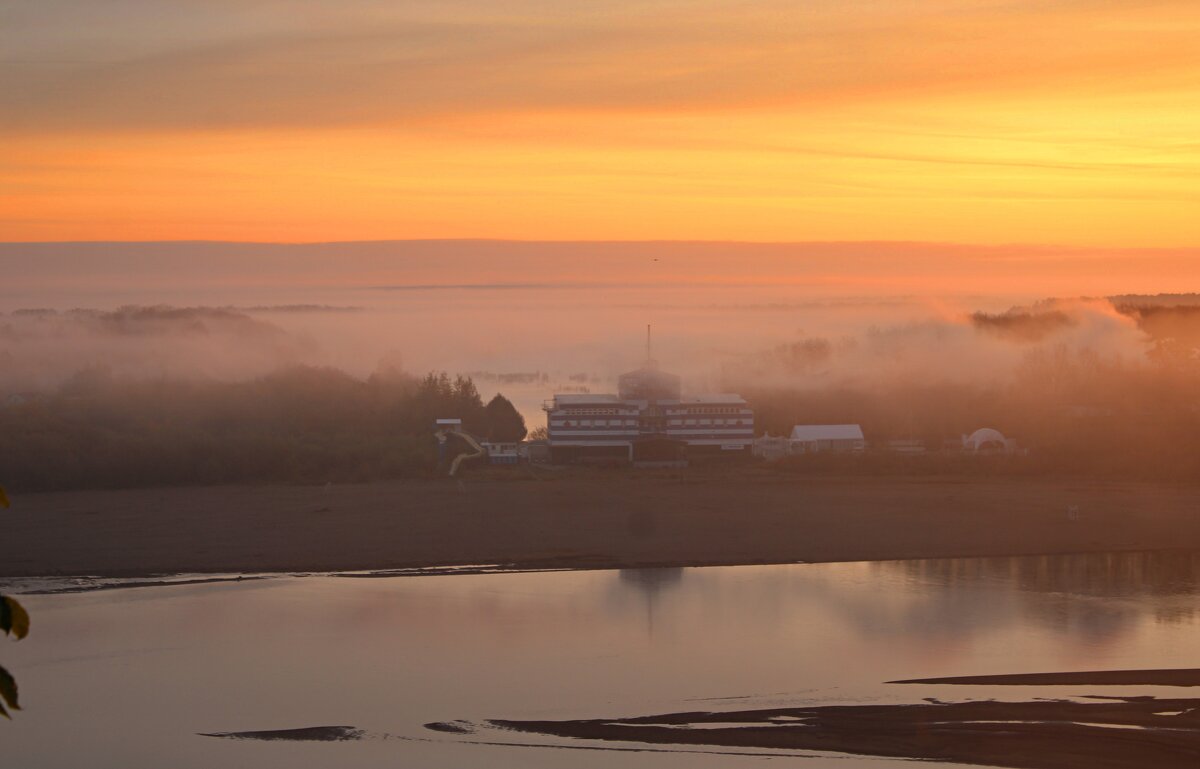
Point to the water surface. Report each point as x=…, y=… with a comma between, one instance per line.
x=130, y=677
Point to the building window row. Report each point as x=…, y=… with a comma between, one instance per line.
x=634, y=422
x=710, y=410
x=596, y=423
x=712, y=422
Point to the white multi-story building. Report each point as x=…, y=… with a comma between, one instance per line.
x=647, y=410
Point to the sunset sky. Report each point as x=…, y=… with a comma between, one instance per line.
x=1062, y=122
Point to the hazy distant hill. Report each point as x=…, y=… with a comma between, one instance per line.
x=849, y=268
x=1155, y=300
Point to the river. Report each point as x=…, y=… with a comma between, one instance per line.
x=134, y=677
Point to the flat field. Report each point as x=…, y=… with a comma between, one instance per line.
x=588, y=521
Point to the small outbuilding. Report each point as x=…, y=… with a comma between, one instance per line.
x=537, y=452
x=502, y=453
x=908, y=446
x=772, y=447
x=817, y=438
x=988, y=441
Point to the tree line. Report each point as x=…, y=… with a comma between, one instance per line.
x=1075, y=412
x=298, y=425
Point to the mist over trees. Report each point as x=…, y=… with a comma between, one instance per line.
x=42, y=348
x=1089, y=387
x=299, y=425
x=1076, y=412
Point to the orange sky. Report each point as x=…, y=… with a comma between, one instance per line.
x=973, y=121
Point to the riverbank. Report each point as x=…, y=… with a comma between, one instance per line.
x=595, y=521
x=1048, y=734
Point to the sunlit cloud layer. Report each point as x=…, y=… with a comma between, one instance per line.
x=1068, y=122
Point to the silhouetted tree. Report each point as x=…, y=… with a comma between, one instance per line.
x=505, y=423
x=468, y=406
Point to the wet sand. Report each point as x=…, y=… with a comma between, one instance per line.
x=612, y=520
x=1122, y=733
x=303, y=734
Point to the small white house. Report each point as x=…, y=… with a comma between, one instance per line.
x=814, y=438
x=772, y=447
x=502, y=453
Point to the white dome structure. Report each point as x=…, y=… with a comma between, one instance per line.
x=985, y=439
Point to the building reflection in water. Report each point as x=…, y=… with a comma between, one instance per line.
x=1100, y=575
x=1097, y=597
x=1097, y=600
x=650, y=583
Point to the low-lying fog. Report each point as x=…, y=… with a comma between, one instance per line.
x=803, y=346
x=531, y=339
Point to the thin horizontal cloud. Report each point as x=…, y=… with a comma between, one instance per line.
x=979, y=121
x=371, y=67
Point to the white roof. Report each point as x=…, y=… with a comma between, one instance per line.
x=982, y=437
x=827, y=433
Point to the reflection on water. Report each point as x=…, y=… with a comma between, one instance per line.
x=650, y=582
x=1099, y=597
x=1101, y=575
x=389, y=655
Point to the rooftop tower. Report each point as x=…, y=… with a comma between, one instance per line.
x=649, y=383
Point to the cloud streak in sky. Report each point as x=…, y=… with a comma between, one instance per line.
x=223, y=64
x=936, y=120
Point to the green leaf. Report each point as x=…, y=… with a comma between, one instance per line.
x=8, y=690
x=13, y=617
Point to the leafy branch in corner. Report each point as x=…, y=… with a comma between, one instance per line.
x=14, y=621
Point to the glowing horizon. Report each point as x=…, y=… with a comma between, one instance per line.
x=954, y=121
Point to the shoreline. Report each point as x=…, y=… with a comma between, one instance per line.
x=583, y=523
x=1042, y=734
